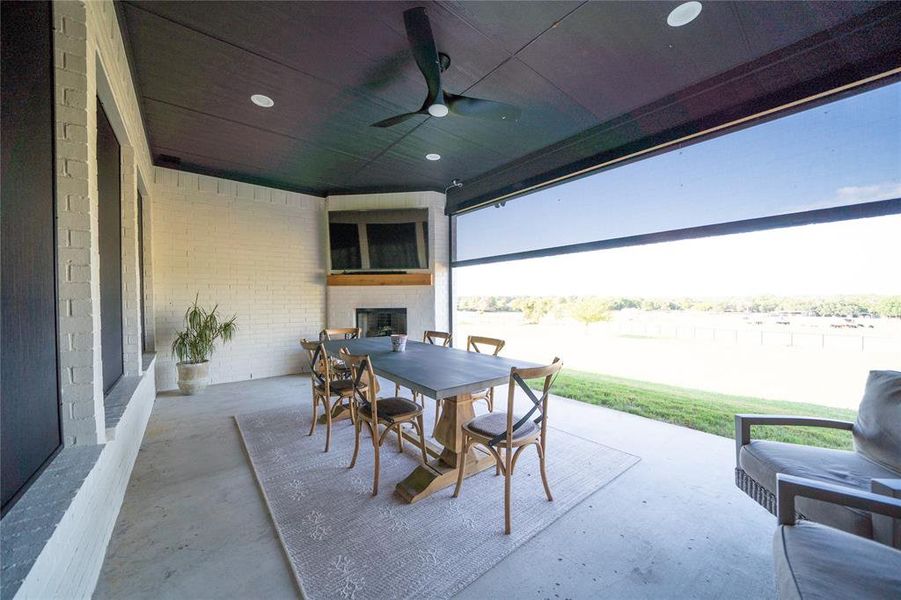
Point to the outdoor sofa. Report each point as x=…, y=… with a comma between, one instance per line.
x=813, y=561
x=875, y=460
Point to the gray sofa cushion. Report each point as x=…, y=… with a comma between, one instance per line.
x=763, y=459
x=877, y=432
x=817, y=562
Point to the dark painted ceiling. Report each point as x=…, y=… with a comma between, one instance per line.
x=594, y=81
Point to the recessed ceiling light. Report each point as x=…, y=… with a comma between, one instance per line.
x=684, y=14
x=438, y=110
x=261, y=100
x=433, y=156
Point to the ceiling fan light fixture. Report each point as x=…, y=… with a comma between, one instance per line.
x=684, y=14
x=433, y=156
x=431, y=64
x=262, y=101
x=438, y=110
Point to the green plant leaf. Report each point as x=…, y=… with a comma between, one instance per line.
x=203, y=327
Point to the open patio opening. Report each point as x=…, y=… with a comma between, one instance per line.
x=216, y=215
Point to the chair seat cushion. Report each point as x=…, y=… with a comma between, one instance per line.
x=493, y=424
x=390, y=408
x=813, y=561
x=340, y=386
x=762, y=460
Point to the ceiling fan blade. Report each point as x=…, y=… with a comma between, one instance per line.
x=422, y=43
x=390, y=122
x=481, y=109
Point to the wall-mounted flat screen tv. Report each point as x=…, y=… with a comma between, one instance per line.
x=379, y=240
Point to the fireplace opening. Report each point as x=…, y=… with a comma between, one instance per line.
x=375, y=322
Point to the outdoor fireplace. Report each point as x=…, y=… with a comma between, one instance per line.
x=382, y=321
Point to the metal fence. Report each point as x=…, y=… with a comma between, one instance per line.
x=821, y=340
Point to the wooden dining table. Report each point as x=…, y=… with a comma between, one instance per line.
x=447, y=374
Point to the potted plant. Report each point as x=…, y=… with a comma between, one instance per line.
x=194, y=345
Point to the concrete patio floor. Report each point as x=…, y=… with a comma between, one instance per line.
x=194, y=524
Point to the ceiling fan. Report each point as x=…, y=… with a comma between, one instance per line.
x=432, y=63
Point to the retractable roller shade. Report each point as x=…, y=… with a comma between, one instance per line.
x=838, y=154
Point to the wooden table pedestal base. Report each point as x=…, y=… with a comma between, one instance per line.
x=441, y=473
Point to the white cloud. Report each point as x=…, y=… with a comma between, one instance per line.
x=855, y=194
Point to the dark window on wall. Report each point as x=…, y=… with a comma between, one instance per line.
x=392, y=246
x=344, y=240
x=30, y=420
x=110, y=222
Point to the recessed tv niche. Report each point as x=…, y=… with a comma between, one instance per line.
x=386, y=241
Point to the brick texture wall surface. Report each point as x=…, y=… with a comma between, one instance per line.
x=255, y=251
x=76, y=135
x=89, y=49
x=70, y=561
x=89, y=61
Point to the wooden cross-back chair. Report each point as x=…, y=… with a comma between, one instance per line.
x=506, y=435
x=436, y=338
x=337, y=333
x=339, y=370
x=485, y=345
x=326, y=387
x=372, y=411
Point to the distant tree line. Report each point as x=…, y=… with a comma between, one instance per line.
x=590, y=309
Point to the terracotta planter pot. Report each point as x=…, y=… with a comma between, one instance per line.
x=193, y=377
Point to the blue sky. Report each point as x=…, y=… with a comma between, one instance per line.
x=843, y=152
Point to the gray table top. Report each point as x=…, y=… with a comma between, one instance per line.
x=431, y=370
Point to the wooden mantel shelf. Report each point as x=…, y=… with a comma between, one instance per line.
x=380, y=279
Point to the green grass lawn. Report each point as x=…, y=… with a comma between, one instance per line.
x=704, y=411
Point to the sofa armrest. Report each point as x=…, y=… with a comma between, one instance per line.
x=885, y=529
x=743, y=426
x=886, y=487
x=789, y=487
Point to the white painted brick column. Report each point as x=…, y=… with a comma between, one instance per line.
x=149, y=324
x=131, y=298
x=108, y=47
x=439, y=231
x=81, y=379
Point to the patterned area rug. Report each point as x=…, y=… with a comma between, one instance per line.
x=344, y=543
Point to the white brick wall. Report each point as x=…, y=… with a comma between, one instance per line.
x=88, y=49
x=70, y=562
x=108, y=48
x=426, y=305
x=131, y=309
x=148, y=327
x=76, y=188
x=255, y=251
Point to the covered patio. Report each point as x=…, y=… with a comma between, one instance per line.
x=673, y=525
x=234, y=239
